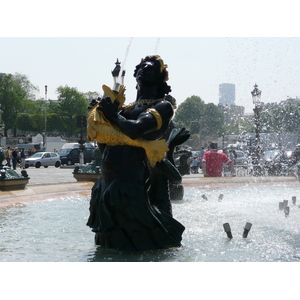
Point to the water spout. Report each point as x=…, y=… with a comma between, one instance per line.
x=124, y=61
x=287, y=211
x=204, y=197
x=227, y=230
x=247, y=229
x=156, y=46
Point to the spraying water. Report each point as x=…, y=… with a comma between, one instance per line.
x=156, y=46
x=126, y=55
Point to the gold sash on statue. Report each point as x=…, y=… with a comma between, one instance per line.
x=101, y=130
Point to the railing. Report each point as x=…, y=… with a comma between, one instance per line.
x=255, y=170
x=240, y=170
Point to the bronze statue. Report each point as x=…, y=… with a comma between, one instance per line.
x=130, y=207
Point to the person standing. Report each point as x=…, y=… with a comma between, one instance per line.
x=14, y=158
x=201, y=153
x=22, y=154
x=213, y=160
x=8, y=156
x=232, y=154
x=195, y=165
x=295, y=158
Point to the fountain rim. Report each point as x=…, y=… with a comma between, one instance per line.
x=83, y=188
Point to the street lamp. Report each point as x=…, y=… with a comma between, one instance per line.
x=256, y=93
x=115, y=73
x=44, y=135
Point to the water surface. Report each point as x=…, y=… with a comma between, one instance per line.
x=54, y=230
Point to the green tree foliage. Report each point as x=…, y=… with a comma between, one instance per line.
x=32, y=119
x=25, y=122
x=194, y=127
x=91, y=95
x=54, y=123
x=242, y=126
x=284, y=118
x=14, y=91
x=190, y=110
x=214, y=119
x=195, y=114
x=71, y=103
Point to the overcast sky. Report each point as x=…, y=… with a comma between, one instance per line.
x=196, y=65
x=79, y=47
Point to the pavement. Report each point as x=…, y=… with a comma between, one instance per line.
x=51, y=182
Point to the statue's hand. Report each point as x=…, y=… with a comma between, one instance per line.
x=93, y=103
x=109, y=109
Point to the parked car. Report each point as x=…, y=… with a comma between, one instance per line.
x=277, y=163
x=70, y=156
x=241, y=158
x=270, y=155
x=44, y=159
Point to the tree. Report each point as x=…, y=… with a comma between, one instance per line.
x=195, y=127
x=194, y=113
x=214, y=119
x=14, y=91
x=71, y=103
x=25, y=122
x=192, y=109
x=91, y=95
x=283, y=118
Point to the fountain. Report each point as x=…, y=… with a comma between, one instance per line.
x=9, y=179
x=90, y=172
x=44, y=231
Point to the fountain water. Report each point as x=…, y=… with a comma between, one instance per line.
x=156, y=46
x=55, y=230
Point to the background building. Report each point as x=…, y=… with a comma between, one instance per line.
x=227, y=93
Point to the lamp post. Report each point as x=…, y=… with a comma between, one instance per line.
x=256, y=94
x=44, y=135
x=115, y=74
x=223, y=140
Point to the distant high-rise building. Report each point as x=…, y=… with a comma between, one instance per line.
x=227, y=93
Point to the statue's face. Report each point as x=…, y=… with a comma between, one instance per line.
x=148, y=73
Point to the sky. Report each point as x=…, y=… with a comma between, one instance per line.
x=196, y=65
x=68, y=43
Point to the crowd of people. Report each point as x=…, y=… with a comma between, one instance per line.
x=213, y=162
x=15, y=157
x=210, y=161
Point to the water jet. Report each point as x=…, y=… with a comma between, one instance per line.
x=247, y=229
x=227, y=229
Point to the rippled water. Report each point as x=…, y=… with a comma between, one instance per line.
x=54, y=230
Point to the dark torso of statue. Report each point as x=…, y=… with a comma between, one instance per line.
x=130, y=207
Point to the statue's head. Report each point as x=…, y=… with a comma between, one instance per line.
x=152, y=71
x=154, y=64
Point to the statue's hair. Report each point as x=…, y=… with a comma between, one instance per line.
x=163, y=88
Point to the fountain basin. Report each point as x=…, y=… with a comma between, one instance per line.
x=91, y=172
x=16, y=184
x=86, y=177
x=54, y=229
x=11, y=180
